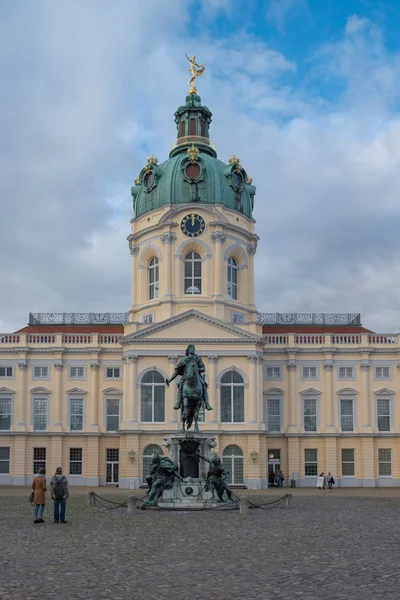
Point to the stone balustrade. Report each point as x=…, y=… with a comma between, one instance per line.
x=58, y=340
x=364, y=340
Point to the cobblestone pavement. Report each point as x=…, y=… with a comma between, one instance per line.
x=325, y=546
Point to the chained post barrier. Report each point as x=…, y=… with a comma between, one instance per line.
x=131, y=506
x=91, y=499
x=244, y=506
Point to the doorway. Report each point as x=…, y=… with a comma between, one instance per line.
x=112, y=466
x=274, y=465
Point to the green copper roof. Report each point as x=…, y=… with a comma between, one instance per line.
x=193, y=172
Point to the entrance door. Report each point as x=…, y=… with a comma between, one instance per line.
x=112, y=466
x=274, y=465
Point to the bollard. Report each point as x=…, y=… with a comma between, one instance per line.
x=91, y=499
x=288, y=500
x=244, y=506
x=131, y=505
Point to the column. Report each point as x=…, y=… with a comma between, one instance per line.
x=168, y=238
x=251, y=250
x=252, y=418
x=220, y=278
x=330, y=424
x=213, y=417
x=58, y=398
x=260, y=403
x=94, y=398
x=125, y=393
x=365, y=400
x=134, y=253
x=134, y=391
x=171, y=396
x=293, y=425
x=21, y=400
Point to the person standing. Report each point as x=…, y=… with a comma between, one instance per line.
x=60, y=494
x=39, y=495
x=280, y=479
x=330, y=481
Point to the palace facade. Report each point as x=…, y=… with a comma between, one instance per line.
x=302, y=393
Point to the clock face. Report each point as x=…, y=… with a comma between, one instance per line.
x=193, y=225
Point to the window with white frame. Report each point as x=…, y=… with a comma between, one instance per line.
x=273, y=372
x=5, y=413
x=383, y=414
x=6, y=372
x=309, y=373
x=385, y=462
x=40, y=372
x=40, y=414
x=153, y=269
x=75, y=461
x=232, y=278
x=39, y=459
x=77, y=372
x=112, y=414
x=4, y=460
x=76, y=414
x=152, y=397
x=382, y=372
x=348, y=462
x=310, y=462
x=232, y=398
x=193, y=273
x=238, y=318
x=274, y=414
x=310, y=414
x=148, y=318
x=112, y=372
x=233, y=462
x=346, y=372
x=347, y=414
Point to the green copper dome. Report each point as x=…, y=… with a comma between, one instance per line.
x=193, y=172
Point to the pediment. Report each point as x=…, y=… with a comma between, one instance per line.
x=40, y=390
x=347, y=391
x=112, y=392
x=75, y=391
x=310, y=392
x=384, y=392
x=274, y=392
x=192, y=326
x=4, y=390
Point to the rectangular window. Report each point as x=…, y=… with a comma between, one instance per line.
x=6, y=372
x=238, y=318
x=203, y=128
x=310, y=462
x=310, y=414
x=274, y=414
x=346, y=414
x=382, y=373
x=77, y=372
x=5, y=414
x=39, y=459
x=75, y=461
x=383, y=414
x=148, y=319
x=385, y=462
x=183, y=129
x=113, y=373
x=346, y=372
x=193, y=127
x=76, y=414
x=40, y=372
x=4, y=460
x=112, y=414
x=273, y=372
x=40, y=414
x=309, y=373
x=347, y=462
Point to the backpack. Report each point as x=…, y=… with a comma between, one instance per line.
x=58, y=489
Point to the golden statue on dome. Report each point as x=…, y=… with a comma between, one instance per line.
x=196, y=70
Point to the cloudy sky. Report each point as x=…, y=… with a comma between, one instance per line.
x=306, y=92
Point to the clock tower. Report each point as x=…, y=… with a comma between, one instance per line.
x=193, y=241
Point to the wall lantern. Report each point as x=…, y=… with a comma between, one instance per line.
x=131, y=455
x=254, y=455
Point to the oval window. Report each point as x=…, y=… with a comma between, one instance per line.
x=193, y=171
x=148, y=180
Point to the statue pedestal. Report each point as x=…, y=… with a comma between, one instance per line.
x=189, y=494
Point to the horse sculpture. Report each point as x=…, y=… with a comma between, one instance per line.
x=192, y=396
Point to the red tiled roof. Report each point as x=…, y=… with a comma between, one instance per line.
x=72, y=329
x=315, y=329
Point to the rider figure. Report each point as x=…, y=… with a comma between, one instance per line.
x=181, y=370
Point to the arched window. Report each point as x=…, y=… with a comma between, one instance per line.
x=232, y=278
x=152, y=398
x=232, y=398
x=232, y=459
x=193, y=273
x=148, y=454
x=153, y=278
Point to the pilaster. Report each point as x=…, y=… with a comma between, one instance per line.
x=220, y=278
x=213, y=417
x=365, y=397
x=57, y=400
x=172, y=415
x=253, y=391
x=330, y=421
x=293, y=424
x=93, y=411
x=21, y=401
